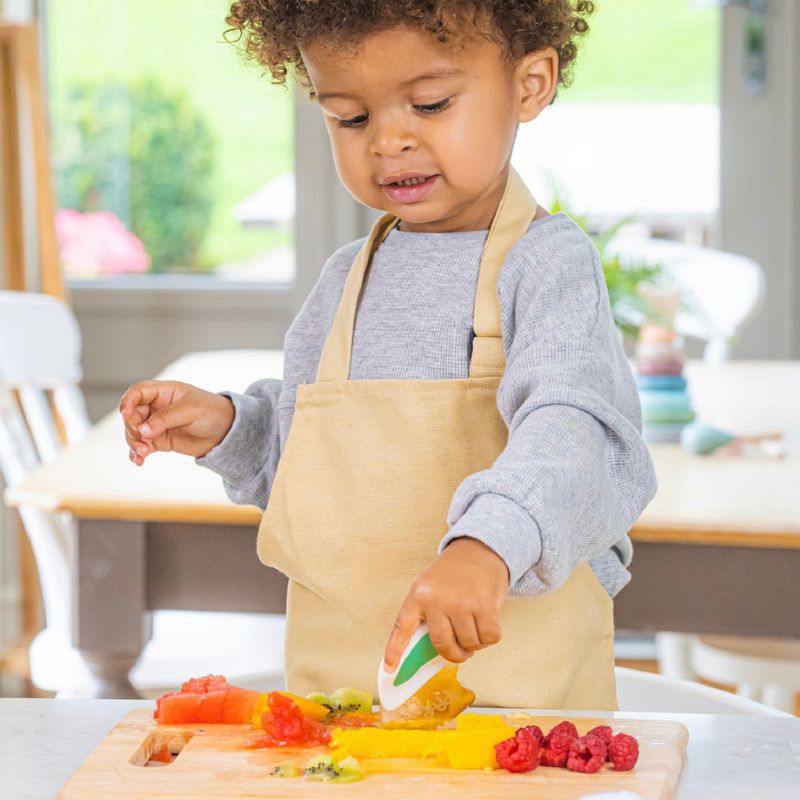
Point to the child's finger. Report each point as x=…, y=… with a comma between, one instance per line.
x=466, y=631
x=137, y=445
x=144, y=393
x=489, y=629
x=135, y=458
x=407, y=622
x=127, y=408
x=159, y=422
x=134, y=417
x=440, y=629
x=139, y=414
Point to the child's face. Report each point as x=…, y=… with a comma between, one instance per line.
x=386, y=121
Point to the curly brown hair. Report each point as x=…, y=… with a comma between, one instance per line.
x=271, y=32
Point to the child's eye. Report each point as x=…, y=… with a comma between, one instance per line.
x=434, y=107
x=354, y=122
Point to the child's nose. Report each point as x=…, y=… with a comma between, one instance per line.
x=392, y=138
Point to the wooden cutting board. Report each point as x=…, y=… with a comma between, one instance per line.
x=212, y=763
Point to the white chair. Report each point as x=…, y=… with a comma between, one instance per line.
x=40, y=356
x=766, y=670
x=721, y=290
x=644, y=691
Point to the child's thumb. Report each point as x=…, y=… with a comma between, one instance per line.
x=404, y=626
x=159, y=422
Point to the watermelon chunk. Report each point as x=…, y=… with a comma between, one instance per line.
x=210, y=699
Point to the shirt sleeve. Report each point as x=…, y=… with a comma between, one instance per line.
x=247, y=458
x=574, y=474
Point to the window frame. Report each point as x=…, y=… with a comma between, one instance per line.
x=328, y=217
x=760, y=173
x=320, y=196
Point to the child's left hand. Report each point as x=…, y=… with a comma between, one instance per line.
x=459, y=595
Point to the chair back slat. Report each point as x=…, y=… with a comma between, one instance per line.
x=18, y=455
x=40, y=420
x=71, y=408
x=48, y=535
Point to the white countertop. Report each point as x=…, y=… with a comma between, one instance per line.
x=730, y=757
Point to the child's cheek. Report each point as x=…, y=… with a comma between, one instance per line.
x=352, y=169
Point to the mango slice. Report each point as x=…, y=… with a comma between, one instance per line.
x=442, y=698
x=454, y=749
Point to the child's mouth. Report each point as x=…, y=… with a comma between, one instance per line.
x=410, y=194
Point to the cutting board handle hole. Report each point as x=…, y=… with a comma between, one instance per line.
x=160, y=748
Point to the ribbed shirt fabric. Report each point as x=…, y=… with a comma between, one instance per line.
x=574, y=475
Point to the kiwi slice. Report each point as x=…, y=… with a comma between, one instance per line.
x=323, y=700
x=326, y=768
x=285, y=769
x=349, y=700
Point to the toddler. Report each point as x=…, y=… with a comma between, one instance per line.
x=456, y=436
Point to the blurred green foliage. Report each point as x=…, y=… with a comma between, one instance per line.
x=144, y=153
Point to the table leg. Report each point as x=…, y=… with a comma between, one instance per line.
x=109, y=626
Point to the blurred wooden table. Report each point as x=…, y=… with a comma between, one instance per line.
x=718, y=548
x=717, y=551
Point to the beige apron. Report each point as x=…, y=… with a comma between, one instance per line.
x=359, y=505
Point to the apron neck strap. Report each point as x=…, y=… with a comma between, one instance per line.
x=334, y=364
x=511, y=221
x=514, y=214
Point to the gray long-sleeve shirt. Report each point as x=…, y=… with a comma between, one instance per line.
x=575, y=473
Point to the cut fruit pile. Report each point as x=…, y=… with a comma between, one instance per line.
x=284, y=724
x=360, y=743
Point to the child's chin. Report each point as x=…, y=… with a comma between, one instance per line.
x=421, y=213
x=410, y=214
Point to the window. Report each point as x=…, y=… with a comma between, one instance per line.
x=638, y=131
x=170, y=155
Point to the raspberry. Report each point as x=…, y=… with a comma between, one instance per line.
x=587, y=754
x=623, y=752
x=564, y=727
x=533, y=730
x=520, y=753
x=555, y=749
x=605, y=733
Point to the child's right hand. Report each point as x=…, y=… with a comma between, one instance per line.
x=172, y=416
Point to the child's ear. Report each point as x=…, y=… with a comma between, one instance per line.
x=536, y=79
